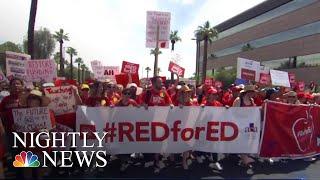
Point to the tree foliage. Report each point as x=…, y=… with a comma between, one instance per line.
x=227, y=77
x=44, y=44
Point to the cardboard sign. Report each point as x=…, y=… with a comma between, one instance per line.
x=279, y=78
x=265, y=79
x=101, y=73
x=62, y=99
x=32, y=119
x=16, y=68
x=155, y=18
x=17, y=56
x=42, y=70
x=301, y=86
x=175, y=68
x=128, y=67
x=248, y=69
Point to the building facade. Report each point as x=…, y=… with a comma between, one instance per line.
x=281, y=34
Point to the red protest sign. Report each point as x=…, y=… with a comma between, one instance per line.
x=290, y=131
x=128, y=67
x=175, y=68
x=265, y=79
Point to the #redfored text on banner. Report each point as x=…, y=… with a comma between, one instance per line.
x=290, y=131
x=176, y=130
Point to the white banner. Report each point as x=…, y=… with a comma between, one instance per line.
x=165, y=130
x=280, y=78
x=162, y=19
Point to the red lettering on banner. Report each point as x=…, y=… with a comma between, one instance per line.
x=211, y=130
x=154, y=126
x=223, y=131
x=175, y=130
x=140, y=131
x=125, y=132
x=184, y=134
x=198, y=130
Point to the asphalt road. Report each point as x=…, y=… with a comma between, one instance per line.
x=292, y=169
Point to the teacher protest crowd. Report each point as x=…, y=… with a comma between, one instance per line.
x=109, y=94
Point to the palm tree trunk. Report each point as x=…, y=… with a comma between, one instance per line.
x=82, y=75
x=172, y=49
x=61, y=60
x=205, y=56
x=32, y=19
x=71, y=67
x=79, y=73
x=147, y=74
x=197, y=62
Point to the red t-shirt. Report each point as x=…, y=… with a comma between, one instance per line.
x=213, y=103
x=227, y=99
x=131, y=102
x=157, y=98
x=258, y=101
x=7, y=104
x=112, y=100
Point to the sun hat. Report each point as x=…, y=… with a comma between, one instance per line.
x=139, y=89
x=248, y=88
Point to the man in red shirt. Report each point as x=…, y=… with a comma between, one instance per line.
x=212, y=98
x=157, y=96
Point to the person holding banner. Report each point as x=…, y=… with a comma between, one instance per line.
x=185, y=99
x=246, y=99
x=126, y=100
x=156, y=96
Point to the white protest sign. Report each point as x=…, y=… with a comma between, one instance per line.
x=62, y=99
x=32, y=119
x=17, y=56
x=176, y=130
x=279, y=78
x=42, y=70
x=248, y=69
x=161, y=19
x=16, y=68
x=110, y=72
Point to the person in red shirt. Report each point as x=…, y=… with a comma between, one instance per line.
x=135, y=92
x=84, y=93
x=95, y=95
x=156, y=96
x=111, y=97
x=125, y=99
x=212, y=98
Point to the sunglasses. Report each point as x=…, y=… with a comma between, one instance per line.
x=127, y=94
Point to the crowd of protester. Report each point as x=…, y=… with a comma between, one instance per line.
x=94, y=94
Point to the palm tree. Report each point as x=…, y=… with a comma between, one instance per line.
x=84, y=68
x=174, y=38
x=208, y=34
x=56, y=58
x=79, y=61
x=148, y=69
x=32, y=21
x=158, y=70
x=60, y=36
x=72, y=52
x=155, y=52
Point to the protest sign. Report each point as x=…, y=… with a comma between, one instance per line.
x=248, y=69
x=124, y=79
x=176, y=130
x=101, y=73
x=32, y=119
x=161, y=19
x=175, y=68
x=265, y=79
x=290, y=131
x=279, y=78
x=42, y=70
x=2, y=76
x=110, y=72
x=62, y=99
x=16, y=68
x=128, y=67
x=16, y=56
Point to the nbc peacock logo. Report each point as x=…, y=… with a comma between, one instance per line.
x=26, y=159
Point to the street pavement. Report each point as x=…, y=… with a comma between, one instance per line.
x=292, y=169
